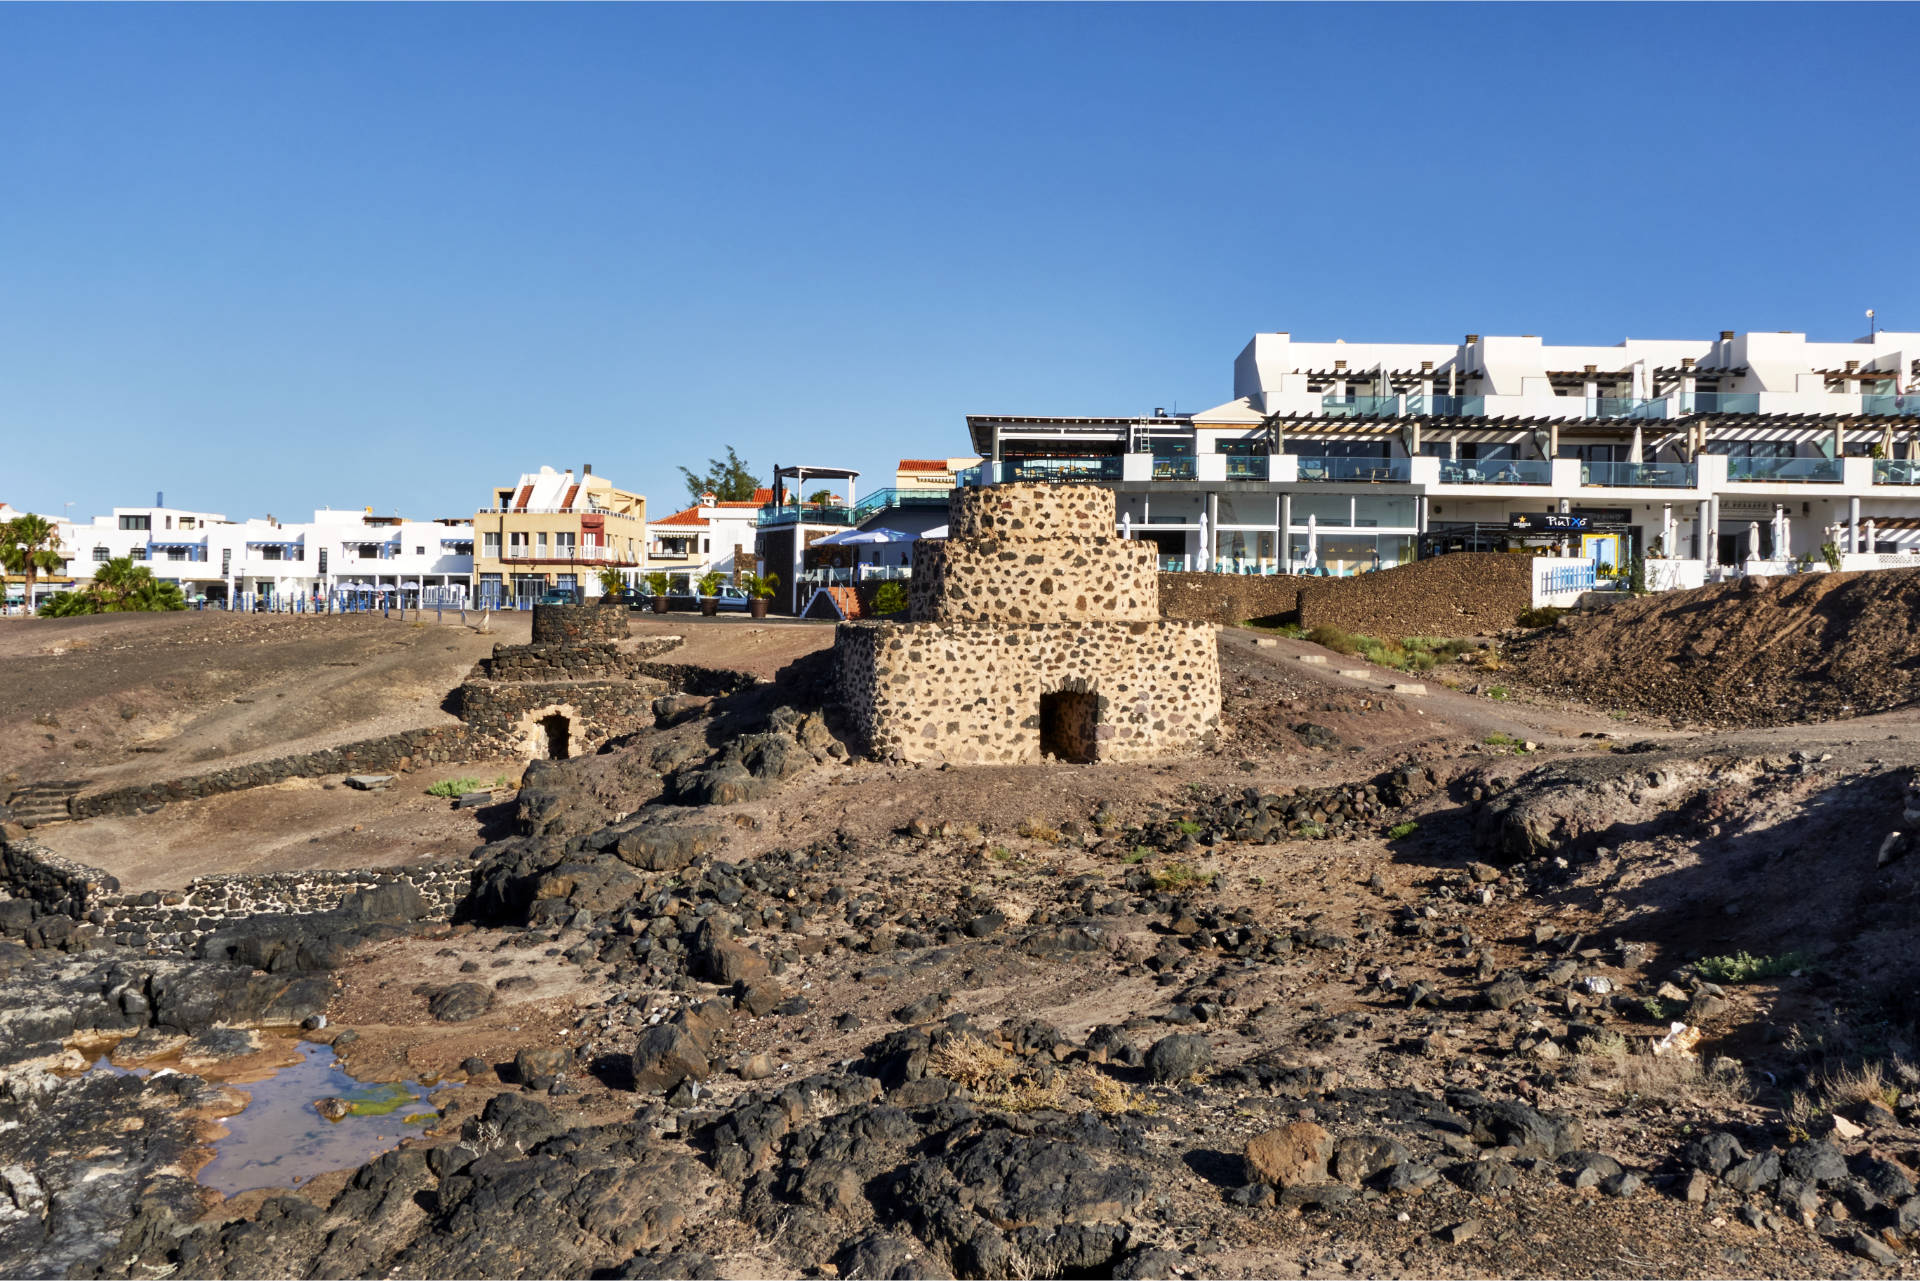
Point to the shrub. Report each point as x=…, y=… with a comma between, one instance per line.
x=1743, y=967
x=1190, y=827
x=461, y=786
x=1830, y=553
x=710, y=582
x=1034, y=830
x=1543, y=616
x=1498, y=692
x=658, y=584
x=1401, y=831
x=1175, y=877
x=890, y=597
x=1335, y=639
x=760, y=586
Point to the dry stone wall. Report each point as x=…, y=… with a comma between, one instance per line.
x=1035, y=633
x=175, y=918
x=578, y=624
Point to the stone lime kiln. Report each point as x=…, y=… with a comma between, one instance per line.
x=1034, y=632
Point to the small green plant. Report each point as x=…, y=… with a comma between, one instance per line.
x=1138, y=855
x=1401, y=831
x=1497, y=693
x=760, y=586
x=658, y=584
x=1190, y=827
x=1830, y=553
x=461, y=786
x=890, y=597
x=610, y=580
x=1743, y=967
x=710, y=582
x=1540, y=616
x=1312, y=831
x=1004, y=855
x=1175, y=877
x=1497, y=739
x=1336, y=639
x=1637, y=576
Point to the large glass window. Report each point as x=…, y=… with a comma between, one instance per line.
x=136, y=522
x=1326, y=509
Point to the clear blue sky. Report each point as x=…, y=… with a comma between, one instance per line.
x=268, y=258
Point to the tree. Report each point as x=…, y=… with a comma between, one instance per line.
x=823, y=498
x=727, y=479
x=29, y=547
x=119, y=587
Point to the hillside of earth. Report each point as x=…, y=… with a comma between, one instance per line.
x=1801, y=648
x=1385, y=982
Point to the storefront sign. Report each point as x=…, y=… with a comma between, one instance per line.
x=1547, y=521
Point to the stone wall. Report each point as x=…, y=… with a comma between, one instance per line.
x=970, y=692
x=571, y=661
x=1463, y=594
x=578, y=624
x=509, y=716
x=1027, y=513
x=1231, y=599
x=410, y=749
x=182, y=917
x=1034, y=580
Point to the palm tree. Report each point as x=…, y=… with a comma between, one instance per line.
x=29, y=547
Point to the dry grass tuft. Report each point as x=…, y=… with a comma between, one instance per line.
x=968, y=1061
x=1608, y=1063
x=999, y=1080
x=1846, y=1087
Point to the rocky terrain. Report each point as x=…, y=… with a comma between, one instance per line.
x=1371, y=988
x=1756, y=651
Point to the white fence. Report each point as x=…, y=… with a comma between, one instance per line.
x=1560, y=581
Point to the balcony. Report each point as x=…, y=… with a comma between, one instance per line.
x=1060, y=469
x=1721, y=402
x=1492, y=471
x=1797, y=471
x=1246, y=466
x=1173, y=467
x=1360, y=406
x=885, y=499
x=1638, y=475
x=1896, y=471
x=1375, y=471
x=1883, y=405
x=825, y=514
x=592, y=552
x=1448, y=406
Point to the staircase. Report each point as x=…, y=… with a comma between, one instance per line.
x=38, y=804
x=845, y=599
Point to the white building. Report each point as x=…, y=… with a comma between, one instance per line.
x=1730, y=453
x=709, y=537
x=268, y=561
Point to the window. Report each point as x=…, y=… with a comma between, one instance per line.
x=540, y=541
x=490, y=546
x=186, y=522
x=101, y=555
x=136, y=522
x=226, y=561
x=369, y=551
x=1751, y=448
x=706, y=545
x=323, y=560
x=517, y=544
x=176, y=553
x=419, y=551
x=271, y=553
x=137, y=553
x=563, y=543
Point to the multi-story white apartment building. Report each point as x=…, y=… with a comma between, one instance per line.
x=265, y=560
x=1732, y=452
x=711, y=536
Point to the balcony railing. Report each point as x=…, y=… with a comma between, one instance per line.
x=1908, y=404
x=1638, y=475
x=1360, y=470
x=1817, y=471
x=1721, y=402
x=1359, y=406
x=1173, y=467
x=883, y=499
x=1896, y=471
x=1444, y=406
x=826, y=514
x=1246, y=466
x=1502, y=471
x=590, y=552
x=1061, y=469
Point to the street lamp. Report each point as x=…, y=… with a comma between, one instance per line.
x=1873, y=328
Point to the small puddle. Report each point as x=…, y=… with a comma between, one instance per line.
x=279, y=1140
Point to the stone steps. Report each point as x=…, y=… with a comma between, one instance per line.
x=38, y=804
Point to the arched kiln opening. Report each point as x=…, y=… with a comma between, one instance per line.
x=555, y=737
x=1069, y=720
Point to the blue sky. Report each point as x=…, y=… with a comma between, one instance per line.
x=269, y=258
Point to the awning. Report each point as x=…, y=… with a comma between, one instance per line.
x=274, y=542
x=169, y=546
x=863, y=537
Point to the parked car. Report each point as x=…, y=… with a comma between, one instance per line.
x=556, y=598
x=627, y=596
x=687, y=597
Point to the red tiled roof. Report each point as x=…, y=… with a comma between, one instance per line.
x=923, y=464
x=691, y=516
x=761, y=497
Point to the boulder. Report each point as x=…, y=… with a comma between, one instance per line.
x=1178, y=1058
x=1289, y=1155
x=666, y=1055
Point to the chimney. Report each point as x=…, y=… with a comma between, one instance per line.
x=586, y=469
x=159, y=498
x=1726, y=335
x=1472, y=339
x=1339, y=364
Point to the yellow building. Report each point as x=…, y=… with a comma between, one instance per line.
x=918, y=474
x=551, y=532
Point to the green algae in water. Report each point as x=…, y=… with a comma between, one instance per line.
x=420, y=1118
x=380, y=1100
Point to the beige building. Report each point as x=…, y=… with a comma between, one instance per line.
x=930, y=473
x=553, y=531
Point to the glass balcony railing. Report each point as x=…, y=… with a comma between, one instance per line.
x=1638, y=475
x=1896, y=471
x=1447, y=406
x=1496, y=471
x=1359, y=406
x=1908, y=404
x=1817, y=471
x=806, y=515
x=1060, y=469
x=1173, y=467
x=1246, y=467
x=1721, y=402
x=890, y=497
x=1360, y=470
